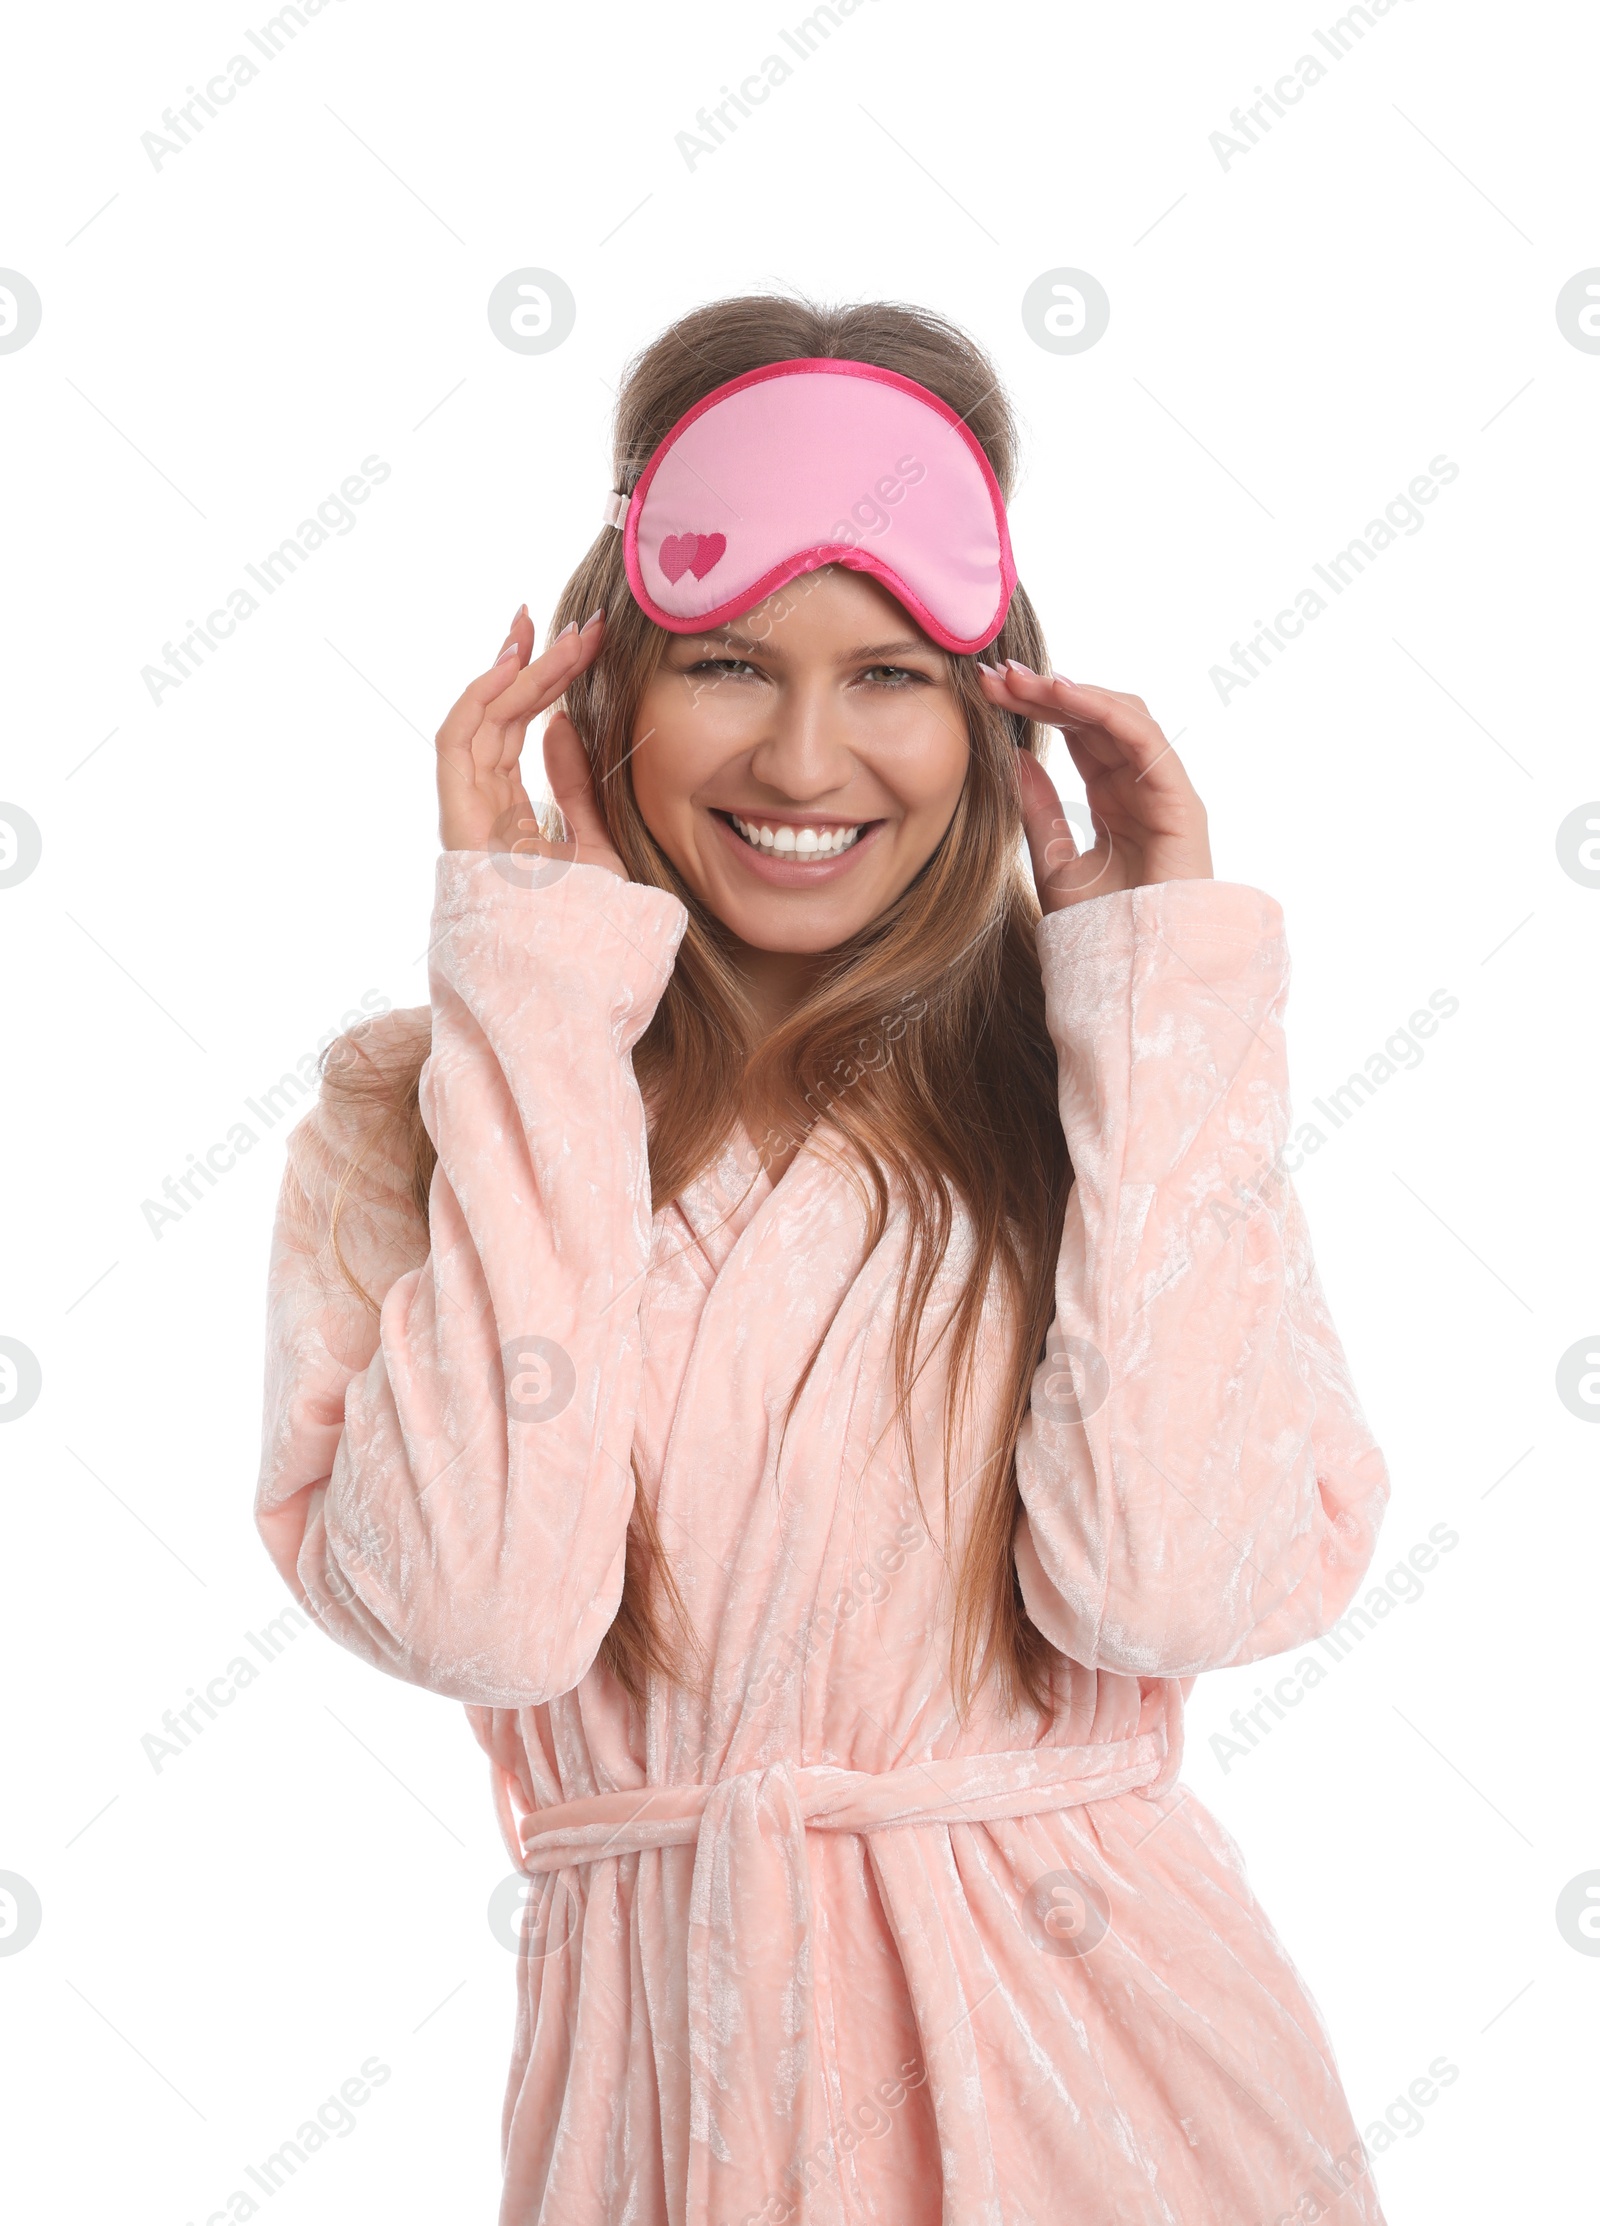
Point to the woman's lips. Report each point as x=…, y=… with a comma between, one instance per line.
x=785, y=870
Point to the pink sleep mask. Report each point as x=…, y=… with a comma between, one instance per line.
x=819, y=461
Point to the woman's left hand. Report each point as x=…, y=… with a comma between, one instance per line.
x=1149, y=824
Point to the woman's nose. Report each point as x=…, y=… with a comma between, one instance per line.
x=804, y=751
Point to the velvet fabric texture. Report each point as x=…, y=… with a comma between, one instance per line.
x=801, y=1944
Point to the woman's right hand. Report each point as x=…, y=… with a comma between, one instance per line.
x=483, y=804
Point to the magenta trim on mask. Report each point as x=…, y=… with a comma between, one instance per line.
x=750, y=487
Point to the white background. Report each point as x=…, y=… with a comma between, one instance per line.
x=1292, y=339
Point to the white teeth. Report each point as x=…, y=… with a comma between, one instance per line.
x=804, y=842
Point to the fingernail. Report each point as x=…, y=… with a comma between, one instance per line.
x=993, y=671
x=1017, y=665
x=593, y=615
x=571, y=627
x=505, y=656
x=1067, y=677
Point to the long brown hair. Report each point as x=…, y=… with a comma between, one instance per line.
x=964, y=1107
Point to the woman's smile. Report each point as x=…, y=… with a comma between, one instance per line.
x=801, y=836
x=788, y=852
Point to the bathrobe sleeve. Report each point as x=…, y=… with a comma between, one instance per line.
x=447, y=1486
x=1199, y=1484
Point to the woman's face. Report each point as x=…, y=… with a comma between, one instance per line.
x=822, y=723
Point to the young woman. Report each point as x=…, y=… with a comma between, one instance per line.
x=807, y=1337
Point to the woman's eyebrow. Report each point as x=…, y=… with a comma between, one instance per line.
x=721, y=637
x=908, y=647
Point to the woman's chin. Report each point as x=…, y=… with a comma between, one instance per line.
x=798, y=930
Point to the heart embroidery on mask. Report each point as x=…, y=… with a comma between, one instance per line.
x=691, y=552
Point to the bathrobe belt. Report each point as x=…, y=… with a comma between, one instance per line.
x=817, y=1797
x=752, y=2116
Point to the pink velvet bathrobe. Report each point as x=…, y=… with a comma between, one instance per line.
x=800, y=1944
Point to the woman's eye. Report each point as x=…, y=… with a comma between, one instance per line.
x=878, y=676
